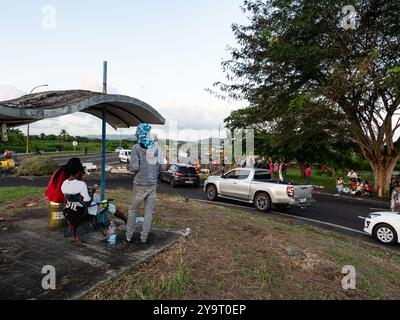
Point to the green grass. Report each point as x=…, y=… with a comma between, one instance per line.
x=9, y=194
x=342, y=258
x=176, y=284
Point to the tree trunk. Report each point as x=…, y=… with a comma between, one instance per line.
x=383, y=171
x=302, y=168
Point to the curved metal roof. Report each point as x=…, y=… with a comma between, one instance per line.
x=121, y=111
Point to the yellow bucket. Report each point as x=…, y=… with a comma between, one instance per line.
x=56, y=216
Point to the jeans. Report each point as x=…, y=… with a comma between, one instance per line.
x=140, y=194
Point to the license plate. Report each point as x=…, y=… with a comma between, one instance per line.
x=189, y=182
x=303, y=200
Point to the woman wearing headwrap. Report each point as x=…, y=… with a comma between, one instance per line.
x=146, y=161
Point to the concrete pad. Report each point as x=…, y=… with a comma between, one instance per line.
x=27, y=245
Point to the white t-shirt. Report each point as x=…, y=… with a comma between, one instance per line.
x=352, y=175
x=76, y=187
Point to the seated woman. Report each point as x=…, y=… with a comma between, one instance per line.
x=366, y=189
x=353, y=184
x=53, y=191
x=359, y=187
x=67, y=185
x=340, y=185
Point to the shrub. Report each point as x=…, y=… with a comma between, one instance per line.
x=37, y=166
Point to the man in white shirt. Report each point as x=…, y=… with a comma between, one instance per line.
x=352, y=174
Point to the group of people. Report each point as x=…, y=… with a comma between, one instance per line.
x=277, y=169
x=355, y=185
x=67, y=185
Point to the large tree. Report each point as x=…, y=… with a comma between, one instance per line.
x=304, y=49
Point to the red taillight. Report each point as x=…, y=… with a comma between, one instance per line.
x=178, y=174
x=290, y=191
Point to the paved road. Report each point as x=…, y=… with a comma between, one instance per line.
x=327, y=208
x=94, y=158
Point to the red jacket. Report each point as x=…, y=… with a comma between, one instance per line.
x=53, y=191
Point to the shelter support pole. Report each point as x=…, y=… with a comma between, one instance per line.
x=4, y=136
x=103, y=156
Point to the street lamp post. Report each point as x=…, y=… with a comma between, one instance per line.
x=27, y=131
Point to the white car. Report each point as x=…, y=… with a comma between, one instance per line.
x=119, y=149
x=125, y=156
x=384, y=226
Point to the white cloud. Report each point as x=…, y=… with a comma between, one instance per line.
x=91, y=83
x=9, y=92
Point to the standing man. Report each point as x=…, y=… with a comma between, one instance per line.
x=395, y=198
x=284, y=172
x=308, y=174
x=280, y=171
x=146, y=162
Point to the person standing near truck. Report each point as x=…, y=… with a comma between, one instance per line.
x=395, y=198
x=146, y=162
x=284, y=170
x=308, y=173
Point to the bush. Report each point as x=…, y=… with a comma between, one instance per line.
x=37, y=166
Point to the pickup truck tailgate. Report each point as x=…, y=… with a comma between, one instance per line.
x=302, y=192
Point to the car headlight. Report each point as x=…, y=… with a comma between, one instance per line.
x=374, y=215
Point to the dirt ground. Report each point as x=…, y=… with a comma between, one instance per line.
x=239, y=255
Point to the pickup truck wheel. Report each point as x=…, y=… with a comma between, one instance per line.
x=211, y=192
x=262, y=202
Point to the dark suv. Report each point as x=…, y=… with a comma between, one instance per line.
x=180, y=174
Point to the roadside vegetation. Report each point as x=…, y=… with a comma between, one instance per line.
x=242, y=255
x=57, y=143
x=37, y=166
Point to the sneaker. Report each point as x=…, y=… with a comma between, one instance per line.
x=126, y=241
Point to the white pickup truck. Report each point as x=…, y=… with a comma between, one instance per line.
x=257, y=187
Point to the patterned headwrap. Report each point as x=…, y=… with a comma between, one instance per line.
x=143, y=135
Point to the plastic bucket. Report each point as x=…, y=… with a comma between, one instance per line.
x=56, y=215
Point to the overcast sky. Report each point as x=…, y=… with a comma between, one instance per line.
x=163, y=52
